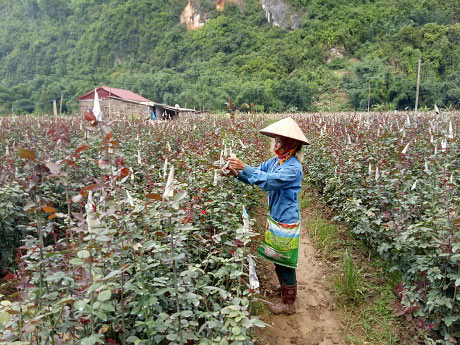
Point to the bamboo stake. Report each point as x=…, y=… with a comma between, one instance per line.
x=369, y=98
x=418, y=86
x=178, y=310
x=60, y=105
x=54, y=107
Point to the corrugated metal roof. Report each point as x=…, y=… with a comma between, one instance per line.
x=120, y=93
x=125, y=94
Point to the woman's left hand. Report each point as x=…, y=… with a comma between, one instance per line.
x=236, y=164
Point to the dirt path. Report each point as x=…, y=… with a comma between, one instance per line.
x=316, y=321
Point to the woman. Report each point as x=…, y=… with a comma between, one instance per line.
x=281, y=177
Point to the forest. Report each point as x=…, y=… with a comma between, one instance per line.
x=343, y=52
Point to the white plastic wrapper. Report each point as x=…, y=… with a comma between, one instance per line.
x=404, y=151
x=245, y=221
x=97, y=107
x=165, y=168
x=216, y=179
x=253, y=280
x=443, y=145
x=225, y=169
x=169, y=190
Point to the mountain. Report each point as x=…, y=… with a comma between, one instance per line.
x=278, y=54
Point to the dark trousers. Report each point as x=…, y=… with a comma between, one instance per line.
x=287, y=274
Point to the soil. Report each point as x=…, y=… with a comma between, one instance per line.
x=316, y=322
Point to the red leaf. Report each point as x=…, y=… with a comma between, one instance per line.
x=52, y=216
x=87, y=188
x=68, y=161
x=26, y=154
x=108, y=137
x=89, y=116
x=81, y=148
x=115, y=143
x=10, y=276
x=154, y=196
x=49, y=209
x=124, y=172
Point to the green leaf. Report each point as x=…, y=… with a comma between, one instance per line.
x=111, y=275
x=259, y=323
x=91, y=340
x=171, y=336
x=449, y=319
x=76, y=261
x=66, y=301
x=101, y=315
x=51, y=296
x=107, y=306
x=104, y=295
x=4, y=318
x=102, y=238
x=83, y=254
x=80, y=305
x=236, y=331
x=132, y=339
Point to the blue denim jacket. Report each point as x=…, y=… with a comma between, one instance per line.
x=283, y=184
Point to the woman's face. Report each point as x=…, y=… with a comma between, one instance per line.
x=279, y=143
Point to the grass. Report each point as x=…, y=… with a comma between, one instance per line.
x=362, y=285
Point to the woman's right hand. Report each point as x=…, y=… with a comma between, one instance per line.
x=236, y=163
x=228, y=172
x=233, y=172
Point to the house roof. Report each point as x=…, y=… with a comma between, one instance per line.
x=170, y=107
x=120, y=93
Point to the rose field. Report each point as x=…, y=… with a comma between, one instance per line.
x=124, y=232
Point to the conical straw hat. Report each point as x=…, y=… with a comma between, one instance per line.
x=286, y=128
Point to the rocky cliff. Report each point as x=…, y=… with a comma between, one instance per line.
x=277, y=12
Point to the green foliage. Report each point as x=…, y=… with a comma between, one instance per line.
x=53, y=46
x=12, y=221
x=110, y=256
x=350, y=286
x=396, y=185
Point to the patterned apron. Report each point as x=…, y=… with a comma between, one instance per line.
x=281, y=242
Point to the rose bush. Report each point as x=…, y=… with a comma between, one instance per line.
x=394, y=179
x=108, y=256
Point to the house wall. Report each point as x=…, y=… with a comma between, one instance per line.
x=116, y=106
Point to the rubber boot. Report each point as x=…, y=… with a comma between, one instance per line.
x=287, y=305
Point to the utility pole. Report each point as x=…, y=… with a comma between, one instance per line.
x=60, y=105
x=369, y=98
x=54, y=107
x=418, y=86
